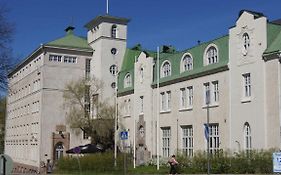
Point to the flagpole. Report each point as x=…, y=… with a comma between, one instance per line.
x=107, y=7
x=134, y=142
x=157, y=110
x=116, y=120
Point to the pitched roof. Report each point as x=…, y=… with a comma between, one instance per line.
x=256, y=14
x=273, y=38
x=70, y=41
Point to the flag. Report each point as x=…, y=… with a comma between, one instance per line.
x=206, y=131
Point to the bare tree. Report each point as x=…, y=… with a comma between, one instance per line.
x=6, y=60
x=85, y=111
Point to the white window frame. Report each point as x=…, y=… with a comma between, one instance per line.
x=141, y=104
x=186, y=98
x=215, y=93
x=127, y=80
x=187, y=62
x=246, y=43
x=211, y=54
x=114, y=31
x=247, y=137
x=214, y=138
x=206, y=89
x=165, y=101
x=166, y=141
x=187, y=140
x=166, y=69
x=247, y=87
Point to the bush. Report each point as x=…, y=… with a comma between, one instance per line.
x=253, y=162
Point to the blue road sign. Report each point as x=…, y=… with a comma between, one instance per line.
x=124, y=135
x=276, y=162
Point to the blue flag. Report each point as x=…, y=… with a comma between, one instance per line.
x=206, y=131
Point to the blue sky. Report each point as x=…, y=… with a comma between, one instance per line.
x=180, y=23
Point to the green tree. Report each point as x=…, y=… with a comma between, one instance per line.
x=85, y=111
x=6, y=60
x=2, y=122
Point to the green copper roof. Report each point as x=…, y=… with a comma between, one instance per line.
x=175, y=58
x=71, y=41
x=273, y=38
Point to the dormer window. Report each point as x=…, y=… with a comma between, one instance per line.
x=166, y=69
x=187, y=63
x=246, y=43
x=127, y=80
x=114, y=31
x=211, y=55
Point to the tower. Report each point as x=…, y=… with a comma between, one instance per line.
x=107, y=35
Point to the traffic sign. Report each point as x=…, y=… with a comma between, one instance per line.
x=276, y=162
x=124, y=135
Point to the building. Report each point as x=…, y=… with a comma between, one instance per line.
x=233, y=79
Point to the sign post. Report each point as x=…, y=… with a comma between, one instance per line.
x=124, y=137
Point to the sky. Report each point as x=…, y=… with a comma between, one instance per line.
x=180, y=23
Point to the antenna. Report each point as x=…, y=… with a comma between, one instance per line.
x=107, y=7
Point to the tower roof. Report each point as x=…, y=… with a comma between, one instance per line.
x=70, y=40
x=106, y=18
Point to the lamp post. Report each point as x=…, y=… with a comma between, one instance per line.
x=207, y=128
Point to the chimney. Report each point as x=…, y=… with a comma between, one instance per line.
x=69, y=30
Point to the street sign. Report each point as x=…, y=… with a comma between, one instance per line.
x=276, y=158
x=124, y=135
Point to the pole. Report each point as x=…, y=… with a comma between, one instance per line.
x=134, y=141
x=115, y=122
x=158, y=109
x=208, y=140
x=107, y=7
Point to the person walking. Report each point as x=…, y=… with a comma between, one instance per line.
x=173, y=163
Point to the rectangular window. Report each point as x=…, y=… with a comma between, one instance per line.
x=190, y=95
x=55, y=58
x=214, y=139
x=247, y=84
x=207, y=93
x=168, y=100
x=165, y=101
x=85, y=135
x=187, y=140
x=87, y=68
x=215, y=91
x=183, y=99
x=69, y=59
x=166, y=137
x=141, y=104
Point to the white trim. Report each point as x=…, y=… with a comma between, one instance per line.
x=205, y=58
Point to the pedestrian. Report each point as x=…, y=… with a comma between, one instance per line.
x=173, y=163
x=49, y=167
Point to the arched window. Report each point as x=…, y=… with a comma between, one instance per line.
x=141, y=74
x=211, y=55
x=59, y=150
x=113, y=69
x=166, y=69
x=187, y=63
x=247, y=137
x=127, y=80
x=246, y=43
x=114, y=31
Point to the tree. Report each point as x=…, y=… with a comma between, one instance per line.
x=2, y=122
x=6, y=60
x=85, y=111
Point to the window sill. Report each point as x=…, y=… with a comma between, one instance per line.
x=246, y=99
x=163, y=112
x=214, y=105
x=190, y=108
x=126, y=116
